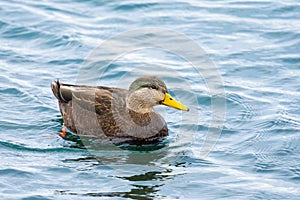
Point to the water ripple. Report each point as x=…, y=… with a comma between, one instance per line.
x=22, y=148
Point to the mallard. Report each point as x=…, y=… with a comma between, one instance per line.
x=115, y=113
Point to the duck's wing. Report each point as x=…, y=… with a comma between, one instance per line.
x=88, y=109
x=93, y=95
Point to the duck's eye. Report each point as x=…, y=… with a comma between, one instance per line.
x=154, y=87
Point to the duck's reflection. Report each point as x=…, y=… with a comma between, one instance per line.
x=139, y=188
x=137, y=170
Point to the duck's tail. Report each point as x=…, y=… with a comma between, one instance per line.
x=62, y=92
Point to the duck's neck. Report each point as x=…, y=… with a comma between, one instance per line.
x=138, y=105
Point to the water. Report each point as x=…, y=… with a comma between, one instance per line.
x=255, y=46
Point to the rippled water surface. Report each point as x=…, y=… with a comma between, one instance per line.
x=255, y=47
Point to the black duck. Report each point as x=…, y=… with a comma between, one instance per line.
x=115, y=113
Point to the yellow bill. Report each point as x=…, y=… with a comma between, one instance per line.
x=170, y=101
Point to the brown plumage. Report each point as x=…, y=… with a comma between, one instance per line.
x=114, y=113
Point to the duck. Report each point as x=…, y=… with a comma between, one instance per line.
x=115, y=113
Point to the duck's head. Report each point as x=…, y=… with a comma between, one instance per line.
x=148, y=91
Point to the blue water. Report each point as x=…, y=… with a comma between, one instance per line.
x=255, y=47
